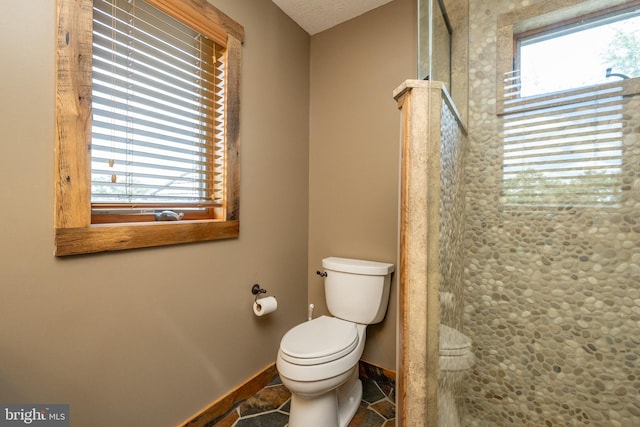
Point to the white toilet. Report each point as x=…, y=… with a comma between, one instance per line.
x=455, y=358
x=318, y=360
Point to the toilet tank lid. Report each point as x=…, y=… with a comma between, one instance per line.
x=357, y=266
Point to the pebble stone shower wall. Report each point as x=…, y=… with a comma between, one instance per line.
x=453, y=151
x=552, y=297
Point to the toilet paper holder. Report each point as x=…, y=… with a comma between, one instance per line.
x=257, y=290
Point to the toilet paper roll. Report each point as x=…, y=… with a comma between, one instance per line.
x=265, y=306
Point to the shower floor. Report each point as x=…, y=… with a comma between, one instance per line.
x=269, y=407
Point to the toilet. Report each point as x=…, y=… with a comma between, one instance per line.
x=455, y=358
x=318, y=359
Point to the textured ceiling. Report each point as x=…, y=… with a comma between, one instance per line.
x=315, y=16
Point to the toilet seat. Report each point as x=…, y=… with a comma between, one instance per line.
x=321, y=340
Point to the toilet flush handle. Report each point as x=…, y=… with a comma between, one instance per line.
x=321, y=274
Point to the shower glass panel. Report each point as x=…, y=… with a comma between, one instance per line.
x=443, y=48
x=442, y=59
x=424, y=39
x=434, y=42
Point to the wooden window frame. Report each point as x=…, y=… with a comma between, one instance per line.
x=74, y=232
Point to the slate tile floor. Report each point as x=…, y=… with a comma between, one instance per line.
x=269, y=407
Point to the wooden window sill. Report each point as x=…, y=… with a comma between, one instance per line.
x=115, y=237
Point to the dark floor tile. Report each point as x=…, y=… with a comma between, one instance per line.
x=366, y=418
x=227, y=420
x=386, y=384
x=388, y=388
x=392, y=394
x=267, y=399
x=286, y=407
x=270, y=419
x=370, y=391
x=275, y=381
x=270, y=406
x=385, y=408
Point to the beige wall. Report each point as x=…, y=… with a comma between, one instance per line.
x=354, y=149
x=149, y=337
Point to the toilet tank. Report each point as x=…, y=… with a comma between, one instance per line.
x=357, y=290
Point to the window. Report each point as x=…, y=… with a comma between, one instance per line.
x=564, y=103
x=582, y=52
x=565, y=153
x=158, y=115
x=146, y=124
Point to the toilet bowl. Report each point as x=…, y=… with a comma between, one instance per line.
x=455, y=358
x=318, y=363
x=318, y=359
x=455, y=350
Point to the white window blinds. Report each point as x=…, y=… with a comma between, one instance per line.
x=563, y=149
x=158, y=111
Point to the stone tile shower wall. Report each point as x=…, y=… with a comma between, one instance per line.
x=552, y=297
x=453, y=152
x=452, y=217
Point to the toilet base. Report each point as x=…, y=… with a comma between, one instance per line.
x=349, y=401
x=334, y=408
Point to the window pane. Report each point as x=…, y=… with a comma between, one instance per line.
x=580, y=55
x=157, y=98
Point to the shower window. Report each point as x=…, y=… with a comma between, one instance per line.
x=563, y=102
x=582, y=52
